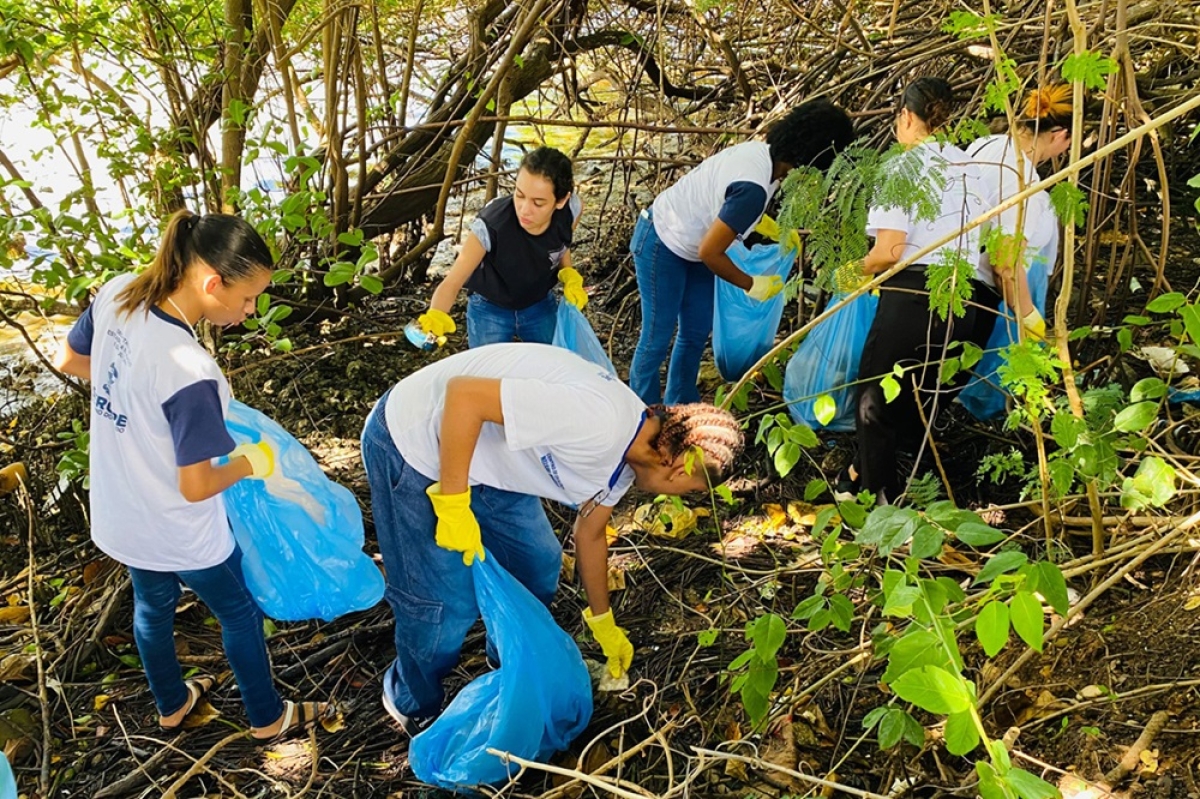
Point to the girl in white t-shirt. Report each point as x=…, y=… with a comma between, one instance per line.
x=905, y=330
x=157, y=424
x=459, y=456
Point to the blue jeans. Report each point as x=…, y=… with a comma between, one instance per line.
x=431, y=593
x=488, y=323
x=675, y=293
x=223, y=589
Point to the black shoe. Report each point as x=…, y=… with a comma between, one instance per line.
x=846, y=488
x=413, y=725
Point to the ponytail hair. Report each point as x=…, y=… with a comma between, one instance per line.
x=225, y=242
x=931, y=99
x=712, y=430
x=1046, y=108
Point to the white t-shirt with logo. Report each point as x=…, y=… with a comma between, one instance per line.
x=962, y=198
x=734, y=186
x=158, y=403
x=567, y=423
x=996, y=157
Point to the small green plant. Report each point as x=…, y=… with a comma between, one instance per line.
x=756, y=669
x=73, y=465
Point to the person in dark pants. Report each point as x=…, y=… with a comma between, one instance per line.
x=906, y=332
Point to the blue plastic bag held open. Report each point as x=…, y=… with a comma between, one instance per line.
x=983, y=396
x=573, y=332
x=826, y=362
x=535, y=704
x=300, y=533
x=8, y=783
x=744, y=329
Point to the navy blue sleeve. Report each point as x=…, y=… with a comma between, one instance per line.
x=80, y=337
x=744, y=204
x=197, y=423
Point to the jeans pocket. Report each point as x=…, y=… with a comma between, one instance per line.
x=641, y=232
x=418, y=622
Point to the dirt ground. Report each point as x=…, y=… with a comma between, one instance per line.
x=1078, y=705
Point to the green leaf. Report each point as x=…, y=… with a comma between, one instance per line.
x=1069, y=203
x=1026, y=615
x=351, y=238
x=1089, y=68
x=899, y=601
x=927, y=541
x=991, y=627
x=977, y=534
x=1152, y=485
x=371, y=283
x=990, y=786
x=1000, y=563
x=1191, y=320
x=768, y=633
x=814, y=489
x=1136, y=417
x=707, y=637
x=1052, y=586
x=1124, y=339
x=872, y=718
x=891, y=388
x=787, y=455
x=1066, y=429
x=961, y=734
x=1030, y=786
x=934, y=690
x=1166, y=303
x=1150, y=388
x=825, y=408
x=853, y=514
x=808, y=607
x=891, y=727
x=917, y=648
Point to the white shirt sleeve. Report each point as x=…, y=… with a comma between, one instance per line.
x=887, y=219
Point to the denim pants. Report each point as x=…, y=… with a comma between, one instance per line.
x=675, y=293
x=488, y=323
x=223, y=589
x=431, y=592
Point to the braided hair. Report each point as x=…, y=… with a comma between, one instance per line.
x=712, y=430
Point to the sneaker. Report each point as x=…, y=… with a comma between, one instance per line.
x=413, y=725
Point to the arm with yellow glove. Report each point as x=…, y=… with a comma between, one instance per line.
x=199, y=481
x=591, y=550
x=769, y=228
x=470, y=401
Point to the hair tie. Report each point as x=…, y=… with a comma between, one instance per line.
x=1048, y=101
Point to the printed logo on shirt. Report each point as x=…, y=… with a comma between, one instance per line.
x=556, y=256
x=604, y=373
x=552, y=469
x=103, y=404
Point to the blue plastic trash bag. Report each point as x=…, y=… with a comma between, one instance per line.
x=826, y=362
x=8, y=783
x=573, y=332
x=535, y=704
x=983, y=396
x=744, y=329
x=300, y=533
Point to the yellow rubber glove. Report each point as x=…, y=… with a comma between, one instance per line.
x=573, y=287
x=612, y=640
x=457, y=528
x=769, y=228
x=1035, y=325
x=436, y=323
x=765, y=287
x=260, y=456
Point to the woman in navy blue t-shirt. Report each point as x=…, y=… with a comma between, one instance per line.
x=517, y=250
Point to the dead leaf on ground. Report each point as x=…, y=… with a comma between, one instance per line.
x=567, y=573
x=668, y=520
x=100, y=702
x=333, y=720
x=202, y=714
x=1149, y=758
x=13, y=667
x=14, y=614
x=1192, y=603
x=616, y=577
